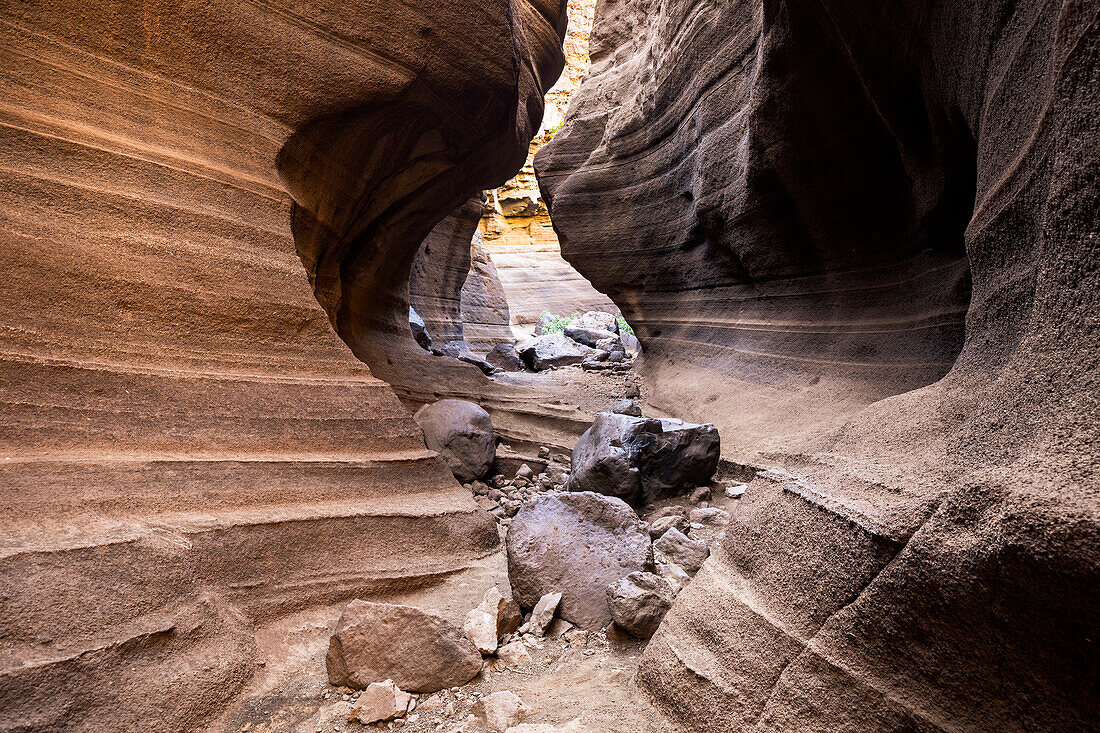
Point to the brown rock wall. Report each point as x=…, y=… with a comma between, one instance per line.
x=858, y=240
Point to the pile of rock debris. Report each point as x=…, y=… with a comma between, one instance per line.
x=581, y=560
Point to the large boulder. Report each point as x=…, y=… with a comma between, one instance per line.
x=552, y=350
x=462, y=433
x=419, y=651
x=588, y=336
x=419, y=330
x=640, y=459
x=576, y=544
x=504, y=356
x=638, y=602
x=597, y=320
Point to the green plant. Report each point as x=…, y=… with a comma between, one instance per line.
x=553, y=129
x=557, y=324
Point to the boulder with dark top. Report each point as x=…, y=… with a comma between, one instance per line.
x=552, y=350
x=638, y=602
x=504, y=356
x=462, y=433
x=419, y=651
x=642, y=459
x=589, y=336
x=576, y=544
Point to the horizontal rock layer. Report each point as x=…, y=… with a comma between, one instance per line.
x=862, y=242
x=187, y=446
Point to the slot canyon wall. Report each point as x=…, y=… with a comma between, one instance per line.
x=187, y=448
x=863, y=240
x=516, y=226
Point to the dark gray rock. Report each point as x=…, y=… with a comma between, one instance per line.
x=504, y=356
x=676, y=547
x=642, y=459
x=576, y=544
x=419, y=330
x=589, y=336
x=552, y=350
x=419, y=651
x=462, y=433
x=638, y=602
x=627, y=407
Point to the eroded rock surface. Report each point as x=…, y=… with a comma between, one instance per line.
x=862, y=244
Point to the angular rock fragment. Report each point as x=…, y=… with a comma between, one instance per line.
x=542, y=615
x=481, y=629
x=676, y=577
x=663, y=524
x=638, y=602
x=676, y=547
x=462, y=433
x=627, y=407
x=513, y=654
x=381, y=701
x=419, y=651
x=578, y=543
x=504, y=610
x=710, y=516
x=552, y=350
x=419, y=330
x=700, y=495
x=504, y=356
x=500, y=710
x=642, y=459
x=589, y=336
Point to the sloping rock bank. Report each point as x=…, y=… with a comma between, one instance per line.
x=862, y=242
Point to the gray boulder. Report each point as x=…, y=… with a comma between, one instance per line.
x=589, y=336
x=627, y=407
x=630, y=342
x=642, y=459
x=419, y=330
x=597, y=320
x=638, y=602
x=675, y=547
x=543, y=322
x=462, y=433
x=552, y=350
x=576, y=544
x=504, y=356
x=419, y=651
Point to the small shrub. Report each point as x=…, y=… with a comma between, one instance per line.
x=557, y=324
x=624, y=327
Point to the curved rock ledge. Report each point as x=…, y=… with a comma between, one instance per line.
x=187, y=447
x=795, y=205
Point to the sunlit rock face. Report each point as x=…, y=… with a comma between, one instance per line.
x=862, y=240
x=186, y=446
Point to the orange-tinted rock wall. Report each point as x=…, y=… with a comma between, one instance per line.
x=186, y=446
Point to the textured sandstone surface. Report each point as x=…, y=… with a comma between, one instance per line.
x=862, y=241
x=186, y=447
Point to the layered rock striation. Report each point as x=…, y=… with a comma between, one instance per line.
x=862, y=241
x=187, y=447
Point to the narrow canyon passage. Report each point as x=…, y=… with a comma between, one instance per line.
x=549, y=365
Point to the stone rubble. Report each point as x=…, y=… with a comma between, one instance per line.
x=676, y=547
x=500, y=710
x=380, y=701
x=638, y=602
